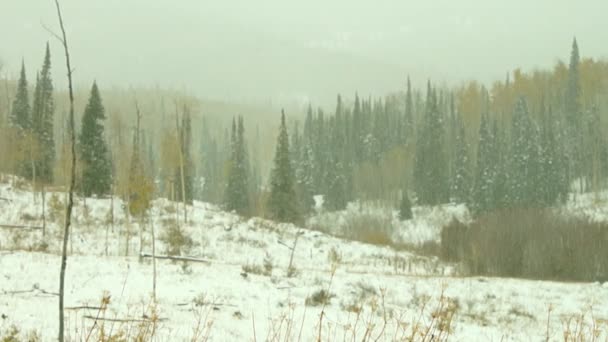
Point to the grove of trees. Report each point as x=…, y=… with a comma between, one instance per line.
x=531, y=139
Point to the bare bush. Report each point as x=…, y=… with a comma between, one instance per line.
x=530, y=243
x=369, y=228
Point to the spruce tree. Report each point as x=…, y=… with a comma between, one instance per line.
x=482, y=195
x=405, y=206
x=94, y=156
x=549, y=183
x=525, y=163
x=573, y=109
x=20, y=117
x=282, y=203
x=43, y=111
x=461, y=179
x=408, y=120
x=305, y=177
x=430, y=164
x=237, y=190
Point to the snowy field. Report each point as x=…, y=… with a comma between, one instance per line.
x=240, y=289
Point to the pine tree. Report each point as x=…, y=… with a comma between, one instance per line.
x=408, y=120
x=405, y=206
x=237, y=190
x=483, y=195
x=525, y=161
x=574, y=115
x=549, y=183
x=96, y=166
x=282, y=203
x=304, y=171
x=20, y=118
x=461, y=181
x=430, y=164
x=43, y=112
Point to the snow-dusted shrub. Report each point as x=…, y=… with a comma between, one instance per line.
x=14, y=334
x=56, y=208
x=176, y=241
x=264, y=269
x=318, y=298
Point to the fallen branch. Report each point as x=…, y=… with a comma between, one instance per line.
x=126, y=320
x=4, y=199
x=12, y=226
x=206, y=304
x=84, y=307
x=30, y=291
x=176, y=258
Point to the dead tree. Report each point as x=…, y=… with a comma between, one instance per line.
x=180, y=146
x=68, y=212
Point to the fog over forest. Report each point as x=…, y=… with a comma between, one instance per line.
x=320, y=170
x=284, y=51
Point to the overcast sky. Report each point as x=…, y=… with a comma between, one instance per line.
x=283, y=50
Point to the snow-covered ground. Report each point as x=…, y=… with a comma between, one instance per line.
x=425, y=226
x=245, y=306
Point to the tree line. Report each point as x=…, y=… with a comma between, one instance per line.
x=525, y=141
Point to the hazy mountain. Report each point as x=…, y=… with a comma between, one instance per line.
x=277, y=50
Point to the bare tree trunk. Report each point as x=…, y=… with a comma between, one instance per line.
x=68, y=212
x=112, y=209
x=128, y=233
x=43, y=211
x=141, y=234
x=180, y=136
x=33, y=162
x=153, y=261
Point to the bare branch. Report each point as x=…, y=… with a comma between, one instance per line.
x=51, y=32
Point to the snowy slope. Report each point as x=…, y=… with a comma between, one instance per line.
x=486, y=308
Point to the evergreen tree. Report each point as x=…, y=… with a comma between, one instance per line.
x=461, y=179
x=430, y=165
x=550, y=182
x=483, y=195
x=20, y=118
x=573, y=109
x=96, y=167
x=525, y=161
x=305, y=177
x=405, y=206
x=43, y=112
x=408, y=120
x=282, y=203
x=500, y=161
x=356, y=138
x=237, y=190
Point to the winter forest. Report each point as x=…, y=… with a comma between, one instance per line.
x=435, y=211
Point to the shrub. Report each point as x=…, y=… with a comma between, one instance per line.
x=320, y=297
x=405, y=207
x=56, y=208
x=529, y=243
x=453, y=241
x=369, y=226
x=177, y=243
